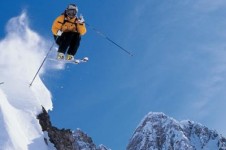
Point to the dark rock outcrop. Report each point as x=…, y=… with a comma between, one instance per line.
x=65, y=139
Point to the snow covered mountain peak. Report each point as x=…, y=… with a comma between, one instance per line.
x=158, y=131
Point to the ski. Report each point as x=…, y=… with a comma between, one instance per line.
x=74, y=61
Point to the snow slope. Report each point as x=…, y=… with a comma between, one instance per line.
x=21, y=53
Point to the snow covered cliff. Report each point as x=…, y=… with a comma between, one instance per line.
x=21, y=52
x=158, y=131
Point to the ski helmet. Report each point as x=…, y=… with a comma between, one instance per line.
x=71, y=10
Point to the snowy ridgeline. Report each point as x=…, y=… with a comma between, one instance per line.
x=160, y=132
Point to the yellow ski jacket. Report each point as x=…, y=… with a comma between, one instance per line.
x=66, y=24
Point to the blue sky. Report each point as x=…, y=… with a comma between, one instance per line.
x=178, y=67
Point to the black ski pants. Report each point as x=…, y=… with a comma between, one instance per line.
x=68, y=42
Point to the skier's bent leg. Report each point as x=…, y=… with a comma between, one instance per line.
x=74, y=45
x=64, y=42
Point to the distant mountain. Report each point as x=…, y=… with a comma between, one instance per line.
x=160, y=132
x=65, y=139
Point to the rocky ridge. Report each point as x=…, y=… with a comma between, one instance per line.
x=65, y=139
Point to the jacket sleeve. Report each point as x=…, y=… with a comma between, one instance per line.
x=57, y=24
x=81, y=28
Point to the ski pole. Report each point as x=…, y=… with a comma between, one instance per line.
x=42, y=63
x=109, y=39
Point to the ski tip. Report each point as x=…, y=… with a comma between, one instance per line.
x=85, y=59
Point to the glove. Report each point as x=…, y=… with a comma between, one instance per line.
x=81, y=19
x=59, y=33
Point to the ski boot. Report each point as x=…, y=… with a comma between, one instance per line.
x=60, y=56
x=70, y=57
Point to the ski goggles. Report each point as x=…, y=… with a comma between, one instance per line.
x=71, y=12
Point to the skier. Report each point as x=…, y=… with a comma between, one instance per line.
x=67, y=30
